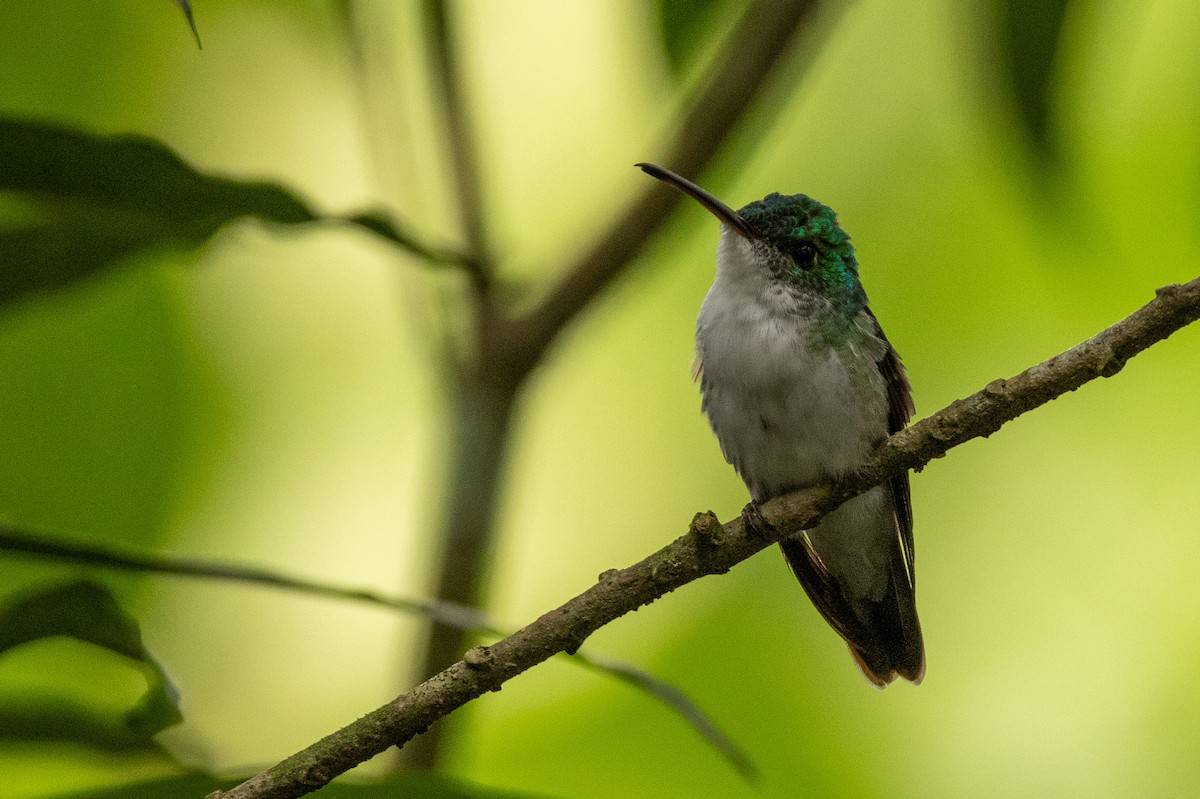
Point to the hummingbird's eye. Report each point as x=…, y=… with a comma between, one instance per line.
x=805, y=256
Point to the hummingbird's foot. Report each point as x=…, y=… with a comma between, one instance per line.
x=756, y=523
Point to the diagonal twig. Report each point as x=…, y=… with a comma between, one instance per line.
x=746, y=62
x=449, y=614
x=109, y=556
x=712, y=548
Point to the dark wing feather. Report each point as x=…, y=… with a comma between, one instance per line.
x=900, y=410
x=884, y=637
x=870, y=651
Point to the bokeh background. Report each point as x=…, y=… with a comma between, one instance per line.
x=273, y=397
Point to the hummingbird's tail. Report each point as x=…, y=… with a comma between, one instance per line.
x=880, y=623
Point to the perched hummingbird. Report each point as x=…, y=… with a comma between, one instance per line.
x=800, y=384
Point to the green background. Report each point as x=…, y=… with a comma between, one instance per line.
x=272, y=398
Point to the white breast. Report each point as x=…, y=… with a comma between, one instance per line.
x=786, y=413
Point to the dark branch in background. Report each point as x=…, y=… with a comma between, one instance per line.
x=481, y=410
x=378, y=110
x=460, y=550
x=487, y=386
x=108, y=556
x=712, y=548
x=753, y=51
x=461, y=141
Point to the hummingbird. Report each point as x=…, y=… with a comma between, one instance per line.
x=800, y=384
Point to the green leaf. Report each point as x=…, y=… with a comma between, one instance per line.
x=87, y=612
x=684, y=25
x=91, y=201
x=182, y=786
x=131, y=173
x=53, y=720
x=79, y=203
x=405, y=786
x=1029, y=35
x=191, y=20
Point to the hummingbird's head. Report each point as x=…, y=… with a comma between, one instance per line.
x=794, y=237
x=802, y=240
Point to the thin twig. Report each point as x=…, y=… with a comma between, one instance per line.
x=461, y=141
x=110, y=556
x=712, y=548
x=449, y=614
x=384, y=225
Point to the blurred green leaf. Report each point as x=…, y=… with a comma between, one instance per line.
x=51, y=719
x=191, y=20
x=99, y=199
x=87, y=612
x=182, y=786
x=104, y=411
x=683, y=25
x=408, y=786
x=130, y=173
x=88, y=202
x=1029, y=34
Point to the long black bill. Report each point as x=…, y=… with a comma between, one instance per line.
x=718, y=208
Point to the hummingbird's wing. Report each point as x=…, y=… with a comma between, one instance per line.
x=882, y=632
x=883, y=636
x=900, y=410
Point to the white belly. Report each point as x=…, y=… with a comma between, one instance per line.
x=786, y=414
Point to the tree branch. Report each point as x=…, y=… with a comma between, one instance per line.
x=748, y=58
x=485, y=395
x=461, y=140
x=712, y=548
x=447, y=614
x=108, y=556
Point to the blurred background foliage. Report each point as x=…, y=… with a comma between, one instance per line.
x=1016, y=175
